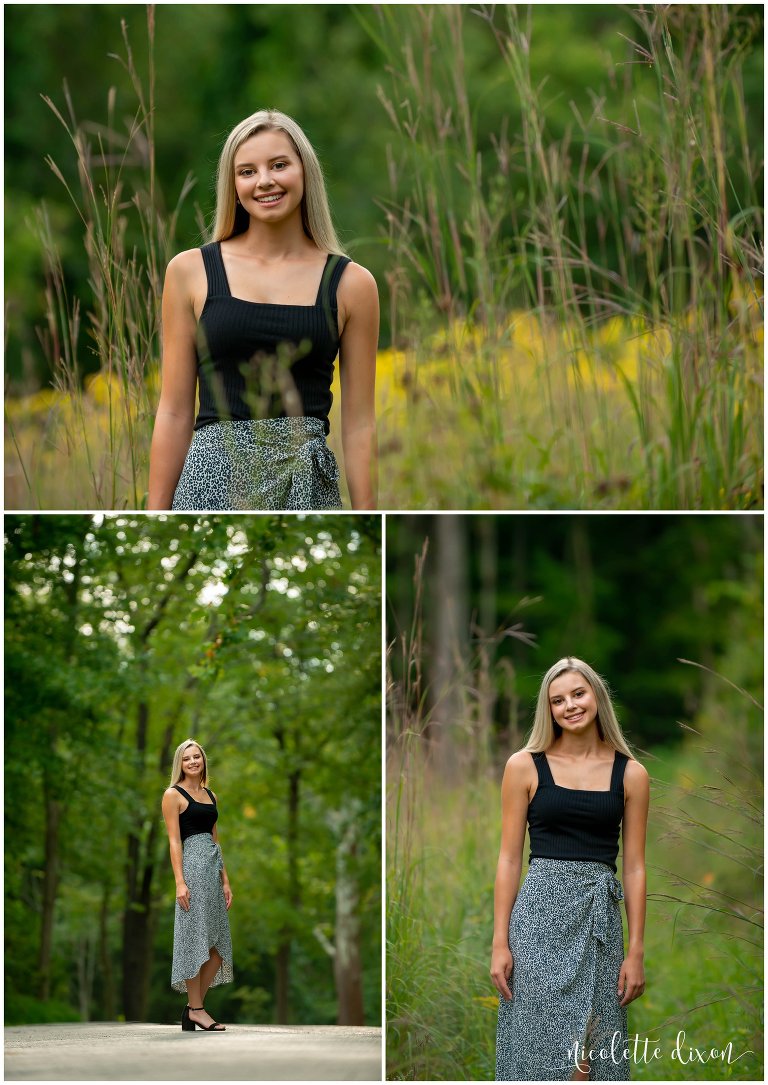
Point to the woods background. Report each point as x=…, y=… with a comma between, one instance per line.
x=669, y=610
x=261, y=638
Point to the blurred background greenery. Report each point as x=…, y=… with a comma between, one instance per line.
x=669, y=610
x=261, y=638
x=561, y=204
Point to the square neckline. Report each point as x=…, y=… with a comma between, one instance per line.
x=191, y=799
x=272, y=304
x=582, y=790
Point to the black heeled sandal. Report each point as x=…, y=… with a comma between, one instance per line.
x=191, y=1025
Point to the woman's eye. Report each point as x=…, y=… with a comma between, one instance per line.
x=280, y=165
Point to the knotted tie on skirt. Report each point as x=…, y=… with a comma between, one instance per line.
x=253, y=464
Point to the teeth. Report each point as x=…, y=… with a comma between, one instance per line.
x=269, y=199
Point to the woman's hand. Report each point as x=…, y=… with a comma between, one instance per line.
x=227, y=895
x=501, y=970
x=182, y=895
x=631, y=979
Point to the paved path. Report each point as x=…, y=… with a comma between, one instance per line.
x=139, y=1052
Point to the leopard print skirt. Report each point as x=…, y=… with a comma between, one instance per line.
x=567, y=945
x=206, y=925
x=271, y=463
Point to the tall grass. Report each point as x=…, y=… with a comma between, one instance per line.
x=85, y=441
x=703, y=945
x=521, y=408
x=532, y=364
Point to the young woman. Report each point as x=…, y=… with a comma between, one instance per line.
x=558, y=955
x=202, y=948
x=257, y=318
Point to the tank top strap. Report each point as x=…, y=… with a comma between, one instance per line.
x=218, y=284
x=329, y=284
x=542, y=768
x=183, y=792
x=617, y=776
x=210, y=795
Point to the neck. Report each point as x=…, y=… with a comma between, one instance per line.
x=583, y=745
x=281, y=241
x=189, y=785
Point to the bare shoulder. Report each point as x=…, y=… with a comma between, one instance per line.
x=636, y=778
x=185, y=263
x=171, y=797
x=357, y=286
x=519, y=768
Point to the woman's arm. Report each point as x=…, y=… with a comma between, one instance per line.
x=359, y=300
x=514, y=810
x=636, y=801
x=176, y=411
x=224, y=877
x=171, y=815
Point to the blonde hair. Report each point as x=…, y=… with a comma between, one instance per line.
x=545, y=730
x=232, y=219
x=177, y=773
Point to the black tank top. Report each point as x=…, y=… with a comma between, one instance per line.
x=245, y=347
x=564, y=823
x=199, y=817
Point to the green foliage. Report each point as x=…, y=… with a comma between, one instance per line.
x=547, y=180
x=260, y=636
x=626, y=593
x=23, y=1010
x=704, y=929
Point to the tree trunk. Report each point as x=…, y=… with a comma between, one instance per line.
x=138, y=926
x=105, y=958
x=347, y=968
x=487, y=621
x=138, y=902
x=449, y=649
x=283, y=959
x=85, y=951
x=52, y=783
x=50, y=886
x=584, y=589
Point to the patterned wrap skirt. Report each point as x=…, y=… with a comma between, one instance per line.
x=567, y=945
x=270, y=463
x=206, y=925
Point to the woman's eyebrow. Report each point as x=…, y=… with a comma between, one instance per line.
x=574, y=690
x=274, y=158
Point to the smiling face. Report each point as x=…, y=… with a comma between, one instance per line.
x=192, y=763
x=572, y=702
x=269, y=177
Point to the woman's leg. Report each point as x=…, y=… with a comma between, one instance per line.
x=208, y=971
x=581, y=1072
x=200, y=1017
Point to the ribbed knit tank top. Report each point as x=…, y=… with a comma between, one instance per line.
x=245, y=348
x=565, y=823
x=199, y=817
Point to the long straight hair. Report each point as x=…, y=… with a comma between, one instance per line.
x=232, y=219
x=177, y=773
x=545, y=730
